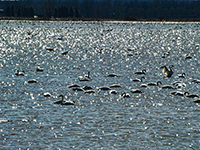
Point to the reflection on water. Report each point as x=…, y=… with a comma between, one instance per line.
x=112, y=52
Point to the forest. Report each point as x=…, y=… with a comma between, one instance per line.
x=103, y=9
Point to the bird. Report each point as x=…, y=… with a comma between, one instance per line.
x=38, y=69
x=167, y=87
x=196, y=101
x=47, y=94
x=88, y=75
x=135, y=91
x=89, y=91
x=188, y=56
x=73, y=86
x=143, y=85
x=87, y=88
x=115, y=86
x=125, y=95
x=112, y=75
x=196, y=81
x=166, y=55
x=188, y=95
x=78, y=89
x=104, y=88
x=140, y=72
x=154, y=84
x=182, y=75
x=113, y=92
x=179, y=84
x=85, y=78
x=18, y=73
x=138, y=80
x=65, y=53
x=63, y=102
x=166, y=71
x=177, y=93
x=32, y=81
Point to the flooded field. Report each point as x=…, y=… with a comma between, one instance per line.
x=41, y=60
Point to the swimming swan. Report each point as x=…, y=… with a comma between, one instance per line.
x=140, y=72
x=20, y=73
x=166, y=71
x=191, y=95
x=125, y=95
x=85, y=78
x=154, y=84
x=63, y=102
x=138, y=80
x=183, y=75
x=136, y=91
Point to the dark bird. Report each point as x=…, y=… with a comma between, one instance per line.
x=125, y=95
x=138, y=80
x=63, y=102
x=167, y=71
x=18, y=73
x=140, y=72
x=191, y=95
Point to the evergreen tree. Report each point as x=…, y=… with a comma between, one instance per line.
x=71, y=12
x=8, y=11
x=77, y=14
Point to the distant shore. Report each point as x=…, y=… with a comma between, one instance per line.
x=97, y=19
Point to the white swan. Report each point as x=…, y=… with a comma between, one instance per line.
x=169, y=71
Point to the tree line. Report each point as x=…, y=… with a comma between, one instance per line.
x=104, y=9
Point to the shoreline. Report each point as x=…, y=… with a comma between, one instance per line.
x=99, y=19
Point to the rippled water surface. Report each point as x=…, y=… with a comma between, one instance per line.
x=153, y=119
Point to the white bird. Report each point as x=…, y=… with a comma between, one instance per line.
x=169, y=71
x=63, y=102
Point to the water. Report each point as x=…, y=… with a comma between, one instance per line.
x=151, y=120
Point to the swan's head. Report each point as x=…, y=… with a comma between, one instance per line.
x=144, y=70
x=159, y=83
x=61, y=96
x=171, y=66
